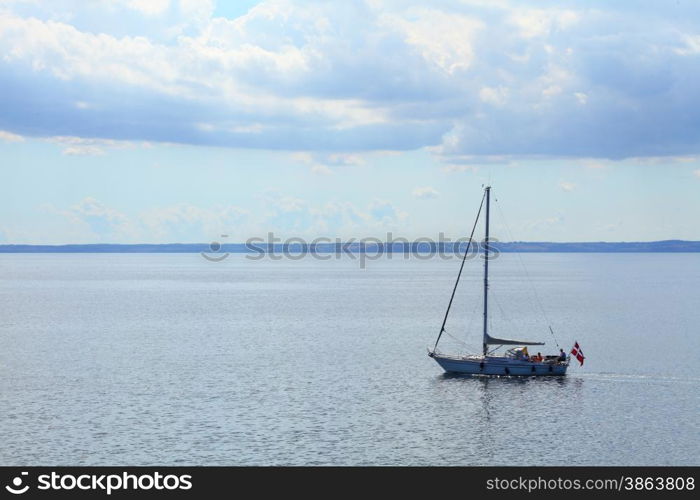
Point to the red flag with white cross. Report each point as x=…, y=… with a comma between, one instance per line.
x=578, y=353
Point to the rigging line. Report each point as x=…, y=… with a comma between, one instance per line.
x=494, y=350
x=503, y=312
x=464, y=259
x=456, y=339
x=470, y=324
x=527, y=275
x=471, y=317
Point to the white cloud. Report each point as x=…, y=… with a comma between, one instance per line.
x=425, y=193
x=453, y=168
x=185, y=222
x=149, y=7
x=93, y=208
x=10, y=137
x=213, y=61
x=534, y=23
x=497, y=96
x=321, y=163
x=567, y=186
x=555, y=80
x=593, y=164
x=321, y=170
x=444, y=39
x=385, y=213
x=288, y=216
x=99, y=222
x=344, y=159
x=664, y=160
x=692, y=45
x=477, y=78
x=92, y=221
x=291, y=204
x=202, y=9
x=83, y=151
x=81, y=146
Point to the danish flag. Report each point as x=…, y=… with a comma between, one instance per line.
x=578, y=353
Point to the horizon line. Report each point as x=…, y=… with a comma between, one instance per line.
x=355, y=246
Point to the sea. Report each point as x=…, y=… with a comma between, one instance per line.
x=174, y=359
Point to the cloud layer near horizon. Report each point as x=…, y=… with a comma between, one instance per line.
x=468, y=79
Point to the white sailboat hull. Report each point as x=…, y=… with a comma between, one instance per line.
x=498, y=365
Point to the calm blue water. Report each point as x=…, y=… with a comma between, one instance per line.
x=171, y=359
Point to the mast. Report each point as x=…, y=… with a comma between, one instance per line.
x=486, y=270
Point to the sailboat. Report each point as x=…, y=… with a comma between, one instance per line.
x=515, y=361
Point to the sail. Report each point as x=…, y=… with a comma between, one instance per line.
x=489, y=340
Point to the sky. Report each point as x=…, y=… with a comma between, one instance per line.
x=133, y=121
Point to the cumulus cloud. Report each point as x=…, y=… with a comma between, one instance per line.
x=93, y=221
x=183, y=222
x=321, y=170
x=149, y=7
x=690, y=45
x=321, y=163
x=567, y=186
x=425, y=193
x=474, y=78
x=454, y=168
x=496, y=96
x=293, y=216
x=101, y=222
x=385, y=213
x=443, y=39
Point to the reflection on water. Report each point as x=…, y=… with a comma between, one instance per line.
x=486, y=388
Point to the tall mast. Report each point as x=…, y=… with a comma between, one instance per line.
x=486, y=269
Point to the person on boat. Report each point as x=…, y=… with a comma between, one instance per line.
x=562, y=355
x=537, y=358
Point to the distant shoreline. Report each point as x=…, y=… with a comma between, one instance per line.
x=665, y=246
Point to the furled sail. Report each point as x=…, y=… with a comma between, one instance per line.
x=489, y=340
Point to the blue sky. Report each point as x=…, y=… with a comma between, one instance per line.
x=178, y=120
